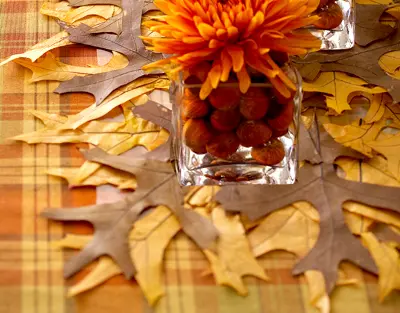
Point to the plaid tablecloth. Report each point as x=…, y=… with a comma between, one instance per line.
x=31, y=278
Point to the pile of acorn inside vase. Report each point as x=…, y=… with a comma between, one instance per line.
x=228, y=119
x=330, y=13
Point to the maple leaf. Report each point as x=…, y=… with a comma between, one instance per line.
x=362, y=62
x=356, y=135
x=51, y=68
x=388, y=260
x=103, y=175
x=320, y=186
x=234, y=258
x=368, y=27
x=128, y=43
x=147, y=243
x=338, y=86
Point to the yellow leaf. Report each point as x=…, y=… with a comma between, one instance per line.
x=390, y=63
x=148, y=241
x=316, y=286
x=338, y=87
x=64, y=12
x=356, y=136
x=389, y=147
x=373, y=171
x=387, y=259
x=358, y=224
x=50, y=68
x=104, y=175
x=201, y=196
x=234, y=258
x=129, y=92
x=35, y=52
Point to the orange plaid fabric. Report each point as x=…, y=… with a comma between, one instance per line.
x=31, y=278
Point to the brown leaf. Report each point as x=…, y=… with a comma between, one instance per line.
x=320, y=186
x=78, y=3
x=128, y=43
x=150, y=180
x=362, y=62
x=368, y=27
x=386, y=233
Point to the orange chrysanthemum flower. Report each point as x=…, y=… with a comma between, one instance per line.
x=233, y=35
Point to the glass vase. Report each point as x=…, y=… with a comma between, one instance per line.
x=235, y=138
x=332, y=35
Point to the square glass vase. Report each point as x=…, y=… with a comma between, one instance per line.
x=341, y=37
x=197, y=166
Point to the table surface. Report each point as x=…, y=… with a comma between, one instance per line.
x=31, y=277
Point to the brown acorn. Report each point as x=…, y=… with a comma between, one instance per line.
x=331, y=16
x=225, y=120
x=282, y=120
x=196, y=134
x=279, y=133
x=270, y=154
x=254, y=104
x=225, y=98
x=253, y=133
x=323, y=3
x=192, y=106
x=223, y=145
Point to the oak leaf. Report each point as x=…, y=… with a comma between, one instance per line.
x=234, y=258
x=388, y=260
x=104, y=175
x=387, y=233
x=51, y=68
x=147, y=241
x=337, y=87
x=357, y=224
x=356, y=135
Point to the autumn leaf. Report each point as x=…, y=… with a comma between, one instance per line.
x=234, y=258
x=362, y=62
x=356, y=135
x=147, y=241
x=357, y=224
x=370, y=171
x=386, y=233
x=51, y=68
x=104, y=175
x=127, y=43
x=338, y=87
x=63, y=11
x=368, y=26
x=388, y=260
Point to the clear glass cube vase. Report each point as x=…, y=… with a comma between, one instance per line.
x=336, y=28
x=235, y=138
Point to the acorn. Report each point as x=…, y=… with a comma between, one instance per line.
x=225, y=120
x=196, y=134
x=323, y=3
x=223, y=145
x=253, y=133
x=225, y=98
x=254, y=104
x=279, y=133
x=270, y=154
x=282, y=119
x=331, y=16
x=192, y=106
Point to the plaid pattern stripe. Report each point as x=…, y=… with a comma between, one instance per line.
x=31, y=270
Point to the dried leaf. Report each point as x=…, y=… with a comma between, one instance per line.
x=356, y=135
x=51, y=68
x=234, y=258
x=320, y=186
x=358, y=224
x=147, y=241
x=368, y=27
x=65, y=13
x=104, y=175
x=128, y=43
x=164, y=186
x=338, y=87
x=388, y=260
x=34, y=53
x=362, y=62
